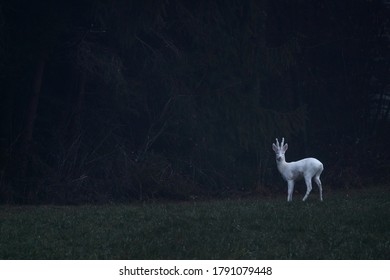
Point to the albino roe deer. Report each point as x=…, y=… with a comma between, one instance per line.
x=306, y=168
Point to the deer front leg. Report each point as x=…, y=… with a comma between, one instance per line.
x=290, y=186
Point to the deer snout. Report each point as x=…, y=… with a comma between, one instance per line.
x=278, y=158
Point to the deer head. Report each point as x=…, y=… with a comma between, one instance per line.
x=280, y=150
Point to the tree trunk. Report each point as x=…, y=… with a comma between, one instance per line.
x=27, y=135
x=75, y=125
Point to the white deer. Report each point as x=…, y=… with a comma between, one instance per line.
x=292, y=171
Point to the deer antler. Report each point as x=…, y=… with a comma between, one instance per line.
x=279, y=145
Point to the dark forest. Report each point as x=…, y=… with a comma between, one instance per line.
x=120, y=101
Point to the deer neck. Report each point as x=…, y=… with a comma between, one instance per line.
x=282, y=165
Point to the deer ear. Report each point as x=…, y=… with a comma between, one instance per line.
x=274, y=147
x=285, y=147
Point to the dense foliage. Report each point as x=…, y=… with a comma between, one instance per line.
x=131, y=100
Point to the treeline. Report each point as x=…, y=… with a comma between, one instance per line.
x=114, y=101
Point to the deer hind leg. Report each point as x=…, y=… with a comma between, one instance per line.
x=319, y=184
x=308, y=188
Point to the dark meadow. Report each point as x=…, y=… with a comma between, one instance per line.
x=120, y=101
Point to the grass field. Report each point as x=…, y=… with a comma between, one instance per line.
x=344, y=226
